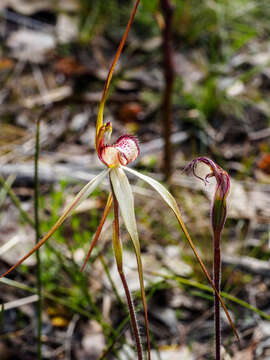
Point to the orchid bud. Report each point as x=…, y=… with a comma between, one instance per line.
x=219, y=205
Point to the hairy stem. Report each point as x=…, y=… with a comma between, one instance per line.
x=37, y=231
x=118, y=255
x=167, y=10
x=217, y=279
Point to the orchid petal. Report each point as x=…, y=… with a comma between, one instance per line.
x=124, y=196
x=170, y=200
x=83, y=194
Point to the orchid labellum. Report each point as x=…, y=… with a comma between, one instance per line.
x=116, y=157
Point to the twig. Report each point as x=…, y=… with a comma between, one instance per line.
x=20, y=302
x=70, y=331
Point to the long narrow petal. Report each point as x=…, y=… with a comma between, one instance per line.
x=86, y=191
x=170, y=200
x=124, y=196
x=99, y=229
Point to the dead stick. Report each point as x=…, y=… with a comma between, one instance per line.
x=167, y=10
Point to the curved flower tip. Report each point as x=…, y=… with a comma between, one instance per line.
x=219, y=206
x=222, y=177
x=124, y=151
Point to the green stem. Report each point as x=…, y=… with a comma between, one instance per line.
x=37, y=231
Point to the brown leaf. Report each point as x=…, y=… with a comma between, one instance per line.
x=70, y=66
x=264, y=163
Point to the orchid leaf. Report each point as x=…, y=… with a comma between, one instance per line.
x=124, y=196
x=170, y=200
x=83, y=194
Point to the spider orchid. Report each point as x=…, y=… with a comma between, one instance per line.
x=116, y=157
x=218, y=218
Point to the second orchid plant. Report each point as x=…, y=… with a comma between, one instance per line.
x=218, y=218
x=116, y=157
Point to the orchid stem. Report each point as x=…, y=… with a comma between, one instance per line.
x=37, y=231
x=217, y=279
x=118, y=255
x=132, y=316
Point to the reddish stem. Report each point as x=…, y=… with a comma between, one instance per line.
x=167, y=9
x=217, y=279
